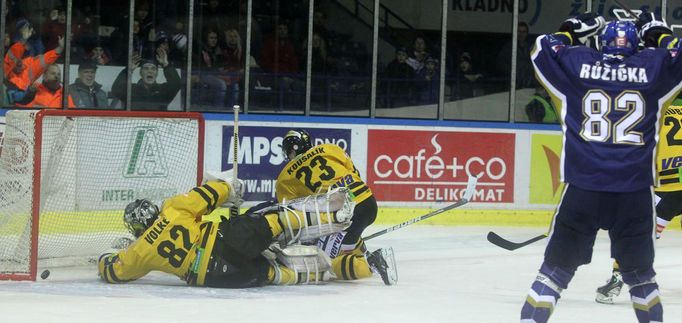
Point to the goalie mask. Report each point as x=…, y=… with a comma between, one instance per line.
x=297, y=142
x=619, y=38
x=140, y=215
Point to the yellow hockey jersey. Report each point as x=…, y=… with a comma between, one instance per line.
x=669, y=153
x=178, y=242
x=318, y=169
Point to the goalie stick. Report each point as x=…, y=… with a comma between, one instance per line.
x=234, y=210
x=495, y=239
x=471, y=188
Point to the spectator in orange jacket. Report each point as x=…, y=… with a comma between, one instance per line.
x=48, y=94
x=21, y=72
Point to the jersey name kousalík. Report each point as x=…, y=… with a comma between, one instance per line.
x=318, y=169
x=609, y=110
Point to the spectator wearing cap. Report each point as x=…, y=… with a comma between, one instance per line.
x=21, y=72
x=85, y=91
x=147, y=93
x=428, y=82
x=175, y=56
x=34, y=45
x=468, y=79
x=398, y=81
x=49, y=93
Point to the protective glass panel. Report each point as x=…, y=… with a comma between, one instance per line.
x=159, y=57
x=219, y=55
x=341, y=57
x=277, y=81
x=479, y=61
x=409, y=59
x=34, y=47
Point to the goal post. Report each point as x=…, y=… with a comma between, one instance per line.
x=67, y=175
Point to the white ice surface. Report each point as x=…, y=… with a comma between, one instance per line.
x=446, y=274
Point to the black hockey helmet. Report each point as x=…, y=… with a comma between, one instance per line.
x=297, y=141
x=140, y=215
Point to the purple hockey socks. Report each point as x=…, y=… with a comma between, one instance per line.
x=545, y=292
x=645, y=296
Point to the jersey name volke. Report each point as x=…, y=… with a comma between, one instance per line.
x=621, y=74
x=156, y=230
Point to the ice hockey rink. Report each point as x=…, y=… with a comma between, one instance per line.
x=446, y=274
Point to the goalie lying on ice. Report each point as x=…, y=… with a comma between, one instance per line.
x=236, y=253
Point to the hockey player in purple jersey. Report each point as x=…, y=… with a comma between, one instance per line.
x=610, y=102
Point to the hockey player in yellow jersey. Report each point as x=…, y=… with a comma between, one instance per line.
x=668, y=193
x=311, y=170
x=235, y=253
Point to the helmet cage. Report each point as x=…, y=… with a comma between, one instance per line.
x=139, y=216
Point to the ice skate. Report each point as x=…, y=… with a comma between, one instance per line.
x=611, y=290
x=382, y=262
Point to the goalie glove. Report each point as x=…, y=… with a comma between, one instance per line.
x=651, y=27
x=583, y=26
x=236, y=186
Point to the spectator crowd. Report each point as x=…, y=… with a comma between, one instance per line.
x=340, y=65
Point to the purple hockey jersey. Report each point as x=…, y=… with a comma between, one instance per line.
x=609, y=110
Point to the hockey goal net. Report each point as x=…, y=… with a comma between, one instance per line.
x=66, y=176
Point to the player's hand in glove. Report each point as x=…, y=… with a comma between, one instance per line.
x=236, y=185
x=583, y=26
x=236, y=192
x=651, y=27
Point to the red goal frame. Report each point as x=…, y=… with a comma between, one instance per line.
x=38, y=135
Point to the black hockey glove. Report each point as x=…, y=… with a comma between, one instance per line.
x=651, y=26
x=583, y=26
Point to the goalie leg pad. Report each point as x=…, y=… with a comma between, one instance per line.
x=300, y=265
x=337, y=200
x=351, y=267
x=308, y=227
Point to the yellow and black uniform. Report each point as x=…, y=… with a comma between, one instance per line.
x=669, y=167
x=323, y=167
x=317, y=170
x=178, y=242
x=669, y=153
x=203, y=253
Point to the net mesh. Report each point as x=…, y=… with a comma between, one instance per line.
x=91, y=168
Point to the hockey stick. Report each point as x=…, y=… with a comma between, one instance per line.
x=626, y=8
x=495, y=239
x=234, y=210
x=471, y=188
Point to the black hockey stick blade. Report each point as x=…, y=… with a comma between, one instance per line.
x=495, y=239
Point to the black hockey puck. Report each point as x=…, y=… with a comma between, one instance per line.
x=45, y=274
